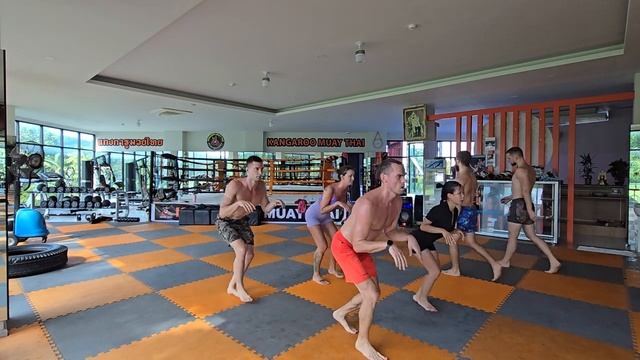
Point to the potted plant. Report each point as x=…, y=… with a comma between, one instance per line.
x=587, y=168
x=619, y=169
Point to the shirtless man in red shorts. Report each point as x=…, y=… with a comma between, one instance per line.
x=372, y=223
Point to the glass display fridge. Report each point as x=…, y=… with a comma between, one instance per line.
x=493, y=214
x=434, y=174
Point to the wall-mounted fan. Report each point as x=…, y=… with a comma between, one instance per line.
x=27, y=161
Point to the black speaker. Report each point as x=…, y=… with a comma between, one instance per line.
x=406, y=213
x=356, y=160
x=418, y=212
x=86, y=180
x=130, y=178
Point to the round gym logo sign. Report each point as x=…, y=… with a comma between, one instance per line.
x=215, y=141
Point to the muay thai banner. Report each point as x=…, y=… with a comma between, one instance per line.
x=139, y=141
x=295, y=213
x=319, y=141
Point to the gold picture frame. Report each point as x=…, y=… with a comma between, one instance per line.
x=414, y=121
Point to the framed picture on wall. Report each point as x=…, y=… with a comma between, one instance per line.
x=414, y=123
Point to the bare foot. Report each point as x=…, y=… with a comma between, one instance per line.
x=554, y=267
x=504, y=264
x=320, y=280
x=336, y=273
x=342, y=321
x=241, y=294
x=368, y=351
x=425, y=304
x=497, y=271
x=452, y=272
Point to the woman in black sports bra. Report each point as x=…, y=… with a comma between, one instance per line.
x=439, y=223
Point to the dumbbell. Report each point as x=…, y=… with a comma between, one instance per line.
x=42, y=187
x=51, y=189
x=106, y=203
x=44, y=204
x=60, y=189
x=52, y=202
x=66, y=202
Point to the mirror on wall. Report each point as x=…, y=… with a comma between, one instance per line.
x=4, y=292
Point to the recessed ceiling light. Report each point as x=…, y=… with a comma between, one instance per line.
x=412, y=26
x=232, y=84
x=514, y=96
x=322, y=56
x=49, y=58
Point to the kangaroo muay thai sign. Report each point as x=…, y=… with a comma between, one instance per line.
x=345, y=142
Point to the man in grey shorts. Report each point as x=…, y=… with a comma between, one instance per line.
x=240, y=199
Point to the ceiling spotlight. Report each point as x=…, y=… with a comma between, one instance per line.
x=359, y=54
x=412, y=26
x=265, y=79
x=232, y=84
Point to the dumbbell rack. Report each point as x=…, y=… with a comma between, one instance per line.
x=66, y=209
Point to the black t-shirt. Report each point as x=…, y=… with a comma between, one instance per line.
x=440, y=216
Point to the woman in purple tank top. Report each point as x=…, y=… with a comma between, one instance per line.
x=320, y=224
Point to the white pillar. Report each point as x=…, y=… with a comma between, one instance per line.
x=636, y=100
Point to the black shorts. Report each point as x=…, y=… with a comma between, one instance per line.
x=232, y=229
x=425, y=239
x=518, y=212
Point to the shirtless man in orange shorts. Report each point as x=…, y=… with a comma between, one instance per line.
x=372, y=223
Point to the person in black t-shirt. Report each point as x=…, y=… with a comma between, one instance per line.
x=439, y=223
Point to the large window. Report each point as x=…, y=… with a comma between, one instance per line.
x=63, y=149
x=447, y=150
x=415, y=173
x=634, y=170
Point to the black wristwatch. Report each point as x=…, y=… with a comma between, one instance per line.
x=389, y=243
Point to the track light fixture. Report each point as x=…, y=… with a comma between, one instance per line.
x=265, y=79
x=359, y=54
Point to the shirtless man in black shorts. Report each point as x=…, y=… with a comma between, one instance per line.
x=240, y=199
x=521, y=211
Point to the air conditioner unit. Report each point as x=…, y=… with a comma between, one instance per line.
x=165, y=111
x=581, y=118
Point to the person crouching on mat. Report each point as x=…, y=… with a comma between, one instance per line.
x=320, y=224
x=439, y=223
x=468, y=218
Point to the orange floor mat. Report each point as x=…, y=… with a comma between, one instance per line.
x=66, y=299
x=388, y=343
x=475, y=293
x=209, y=296
x=506, y=338
x=83, y=227
x=27, y=342
x=334, y=295
x=225, y=260
x=591, y=291
x=184, y=240
x=189, y=341
x=136, y=262
x=110, y=240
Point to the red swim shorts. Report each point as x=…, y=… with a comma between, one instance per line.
x=357, y=267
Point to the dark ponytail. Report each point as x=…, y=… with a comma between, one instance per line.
x=342, y=171
x=449, y=188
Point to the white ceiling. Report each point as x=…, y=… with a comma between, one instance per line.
x=199, y=47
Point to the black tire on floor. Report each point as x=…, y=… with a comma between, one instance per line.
x=35, y=259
